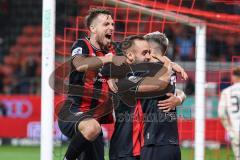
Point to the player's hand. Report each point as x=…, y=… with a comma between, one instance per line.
x=112, y=85
x=160, y=58
x=170, y=103
x=177, y=68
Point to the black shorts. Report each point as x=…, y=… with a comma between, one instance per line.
x=69, y=127
x=95, y=152
x=166, y=152
x=127, y=158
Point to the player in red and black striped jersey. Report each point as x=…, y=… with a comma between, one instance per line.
x=87, y=89
x=140, y=82
x=141, y=48
x=160, y=131
x=126, y=139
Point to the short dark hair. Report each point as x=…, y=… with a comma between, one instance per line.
x=159, y=38
x=236, y=71
x=128, y=42
x=93, y=13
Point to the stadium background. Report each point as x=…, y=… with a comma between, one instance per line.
x=20, y=67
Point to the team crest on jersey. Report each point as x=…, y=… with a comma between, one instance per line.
x=76, y=51
x=134, y=79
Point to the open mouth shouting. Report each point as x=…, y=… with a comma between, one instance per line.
x=108, y=37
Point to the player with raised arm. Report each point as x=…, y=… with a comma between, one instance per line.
x=88, y=56
x=229, y=111
x=126, y=140
x=160, y=131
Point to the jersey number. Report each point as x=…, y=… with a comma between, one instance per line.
x=235, y=103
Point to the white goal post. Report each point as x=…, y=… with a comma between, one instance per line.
x=47, y=93
x=200, y=51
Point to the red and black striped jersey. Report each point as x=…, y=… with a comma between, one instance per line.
x=126, y=138
x=94, y=87
x=130, y=125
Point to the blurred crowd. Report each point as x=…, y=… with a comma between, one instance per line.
x=20, y=75
x=221, y=46
x=20, y=66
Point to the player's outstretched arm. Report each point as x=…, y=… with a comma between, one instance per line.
x=147, y=79
x=83, y=64
x=159, y=81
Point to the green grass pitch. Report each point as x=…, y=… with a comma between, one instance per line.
x=33, y=153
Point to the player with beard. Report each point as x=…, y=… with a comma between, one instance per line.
x=160, y=133
x=88, y=54
x=125, y=144
x=126, y=140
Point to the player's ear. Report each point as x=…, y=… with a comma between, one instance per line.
x=130, y=56
x=92, y=28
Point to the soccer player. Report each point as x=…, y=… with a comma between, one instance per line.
x=160, y=131
x=88, y=54
x=229, y=111
x=126, y=140
x=124, y=144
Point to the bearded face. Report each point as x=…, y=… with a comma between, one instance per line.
x=104, y=28
x=140, y=52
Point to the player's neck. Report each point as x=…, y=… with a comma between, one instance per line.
x=94, y=42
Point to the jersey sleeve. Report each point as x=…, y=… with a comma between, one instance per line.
x=129, y=84
x=134, y=76
x=80, y=48
x=137, y=78
x=113, y=71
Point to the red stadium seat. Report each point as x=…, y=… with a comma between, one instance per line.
x=28, y=30
x=22, y=40
x=38, y=30
x=35, y=40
